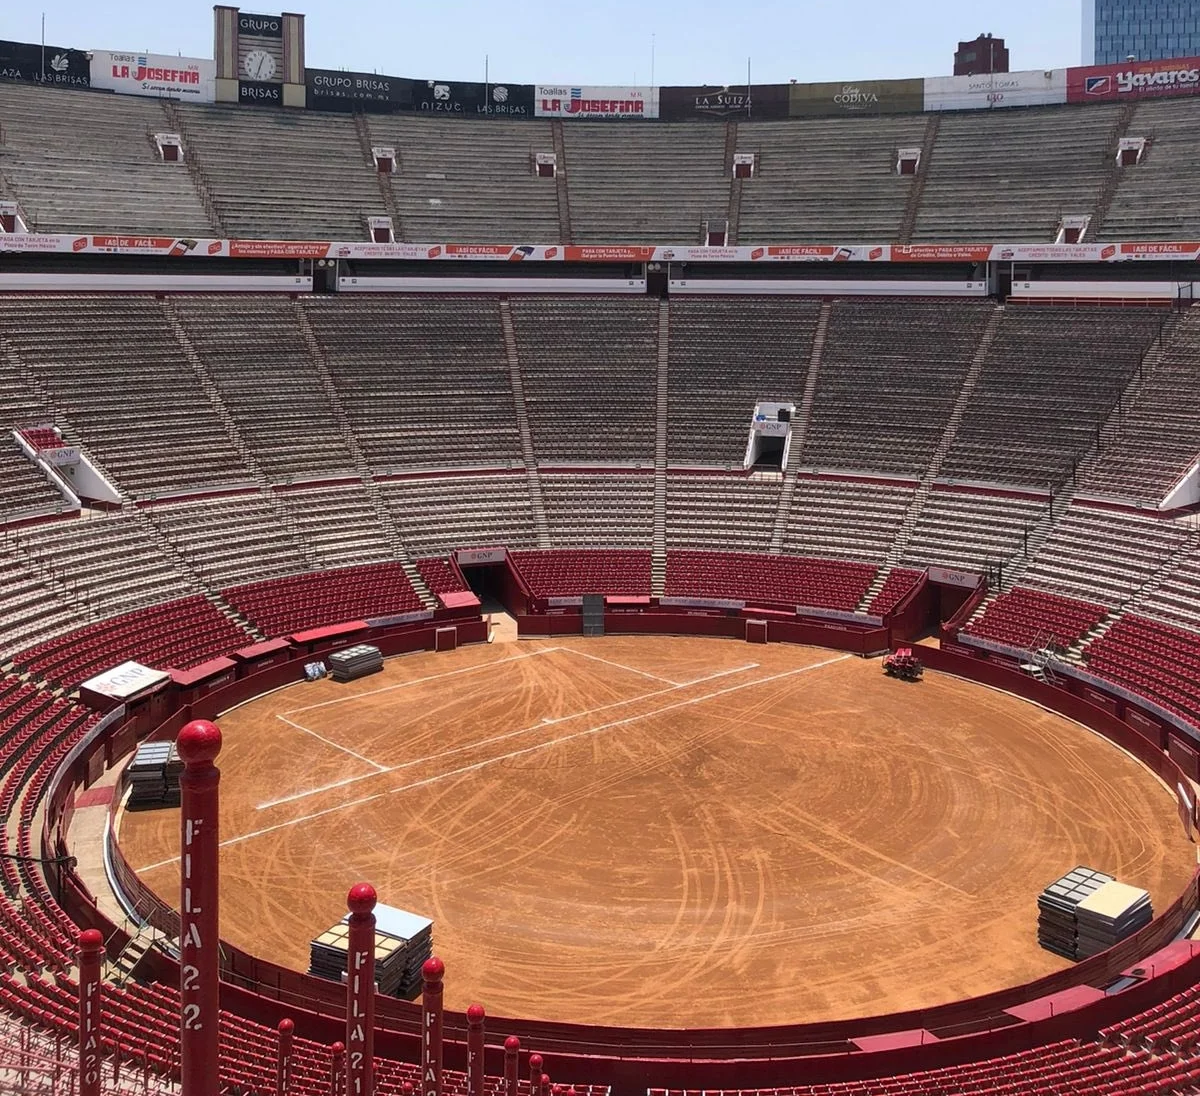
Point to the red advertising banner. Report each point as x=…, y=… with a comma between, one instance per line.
x=1134, y=80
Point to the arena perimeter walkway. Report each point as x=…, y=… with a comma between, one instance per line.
x=673, y=832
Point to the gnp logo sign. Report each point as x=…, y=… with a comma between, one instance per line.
x=190, y=78
x=558, y=101
x=1134, y=80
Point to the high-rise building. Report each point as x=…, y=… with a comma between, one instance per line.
x=1148, y=30
x=985, y=54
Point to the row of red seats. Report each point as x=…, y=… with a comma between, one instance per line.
x=42, y=437
x=440, y=576
x=177, y=633
x=768, y=579
x=1024, y=617
x=284, y=605
x=895, y=588
x=567, y=573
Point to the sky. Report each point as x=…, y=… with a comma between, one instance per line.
x=615, y=42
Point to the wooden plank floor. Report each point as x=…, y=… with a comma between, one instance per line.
x=673, y=832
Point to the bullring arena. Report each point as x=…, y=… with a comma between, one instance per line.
x=633, y=446
x=672, y=832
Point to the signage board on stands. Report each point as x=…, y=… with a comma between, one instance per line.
x=1130, y=80
x=32, y=63
x=152, y=74
x=580, y=101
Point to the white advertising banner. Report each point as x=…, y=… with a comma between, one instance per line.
x=189, y=78
x=565, y=101
x=126, y=681
x=998, y=89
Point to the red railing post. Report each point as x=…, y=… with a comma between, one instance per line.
x=360, y=991
x=432, y=973
x=475, y=1019
x=512, y=1064
x=91, y=951
x=283, y=1057
x=337, y=1067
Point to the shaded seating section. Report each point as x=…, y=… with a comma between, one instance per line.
x=1156, y=199
x=766, y=579
x=1104, y=555
x=440, y=576
x=972, y=531
x=1026, y=619
x=282, y=606
x=561, y=573
x=439, y=513
x=845, y=519
x=469, y=180
x=725, y=512
x=802, y=165
x=252, y=348
x=1050, y=379
x=1157, y=437
x=232, y=539
x=73, y=157
x=890, y=372
x=588, y=372
x=276, y=174
x=725, y=355
x=24, y=489
x=1154, y=659
x=585, y=509
x=424, y=381
x=176, y=634
x=636, y=183
x=109, y=564
x=1011, y=174
x=895, y=588
x=1070, y=1066
x=33, y=606
x=128, y=394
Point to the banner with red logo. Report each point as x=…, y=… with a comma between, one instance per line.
x=189, y=78
x=566, y=101
x=1134, y=80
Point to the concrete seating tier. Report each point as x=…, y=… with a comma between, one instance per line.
x=1176, y=596
x=336, y=526
x=726, y=354
x=561, y=573
x=890, y=372
x=1103, y=555
x=767, y=579
x=177, y=634
x=24, y=490
x=1012, y=174
x=653, y=183
x=723, y=512
x=33, y=606
x=586, y=510
x=588, y=367
x=1157, y=437
x=282, y=606
x=284, y=174
x=128, y=395
x=252, y=348
x=82, y=162
x=826, y=180
x=845, y=519
x=440, y=513
x=1155, y=199
x=469, y=180
x=972, y=531
x=1028, y=619
x=1049, y=381
x=1154, y=659
x=424, y=381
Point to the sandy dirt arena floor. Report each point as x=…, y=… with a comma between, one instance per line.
x=672, y=832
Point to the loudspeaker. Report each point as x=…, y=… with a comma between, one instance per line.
x=785, y=415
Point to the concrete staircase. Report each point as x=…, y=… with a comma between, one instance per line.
x=384, y=182
x=1018, y=565
x=1112, y=171
x=537, y=502
x=211, y=392
x=800, y=424
x=383, y=512
x=916, y=507
x=562, y=191
x=175, y=120
x=734, y=216
x=908, y=222
x=658, y=556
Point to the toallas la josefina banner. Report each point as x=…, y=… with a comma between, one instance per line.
x=569, y=101
x=189, y=78
x=180, y=247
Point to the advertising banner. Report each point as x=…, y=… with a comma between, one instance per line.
x=190, y=78
x=860, y=97
x=688, y=104
x=259, y=93
x=259, y=26
x=1134, y=80
x=497, y=100
x=36, y=64
x=998, y=89
x=328, y=89
x=566, y=101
